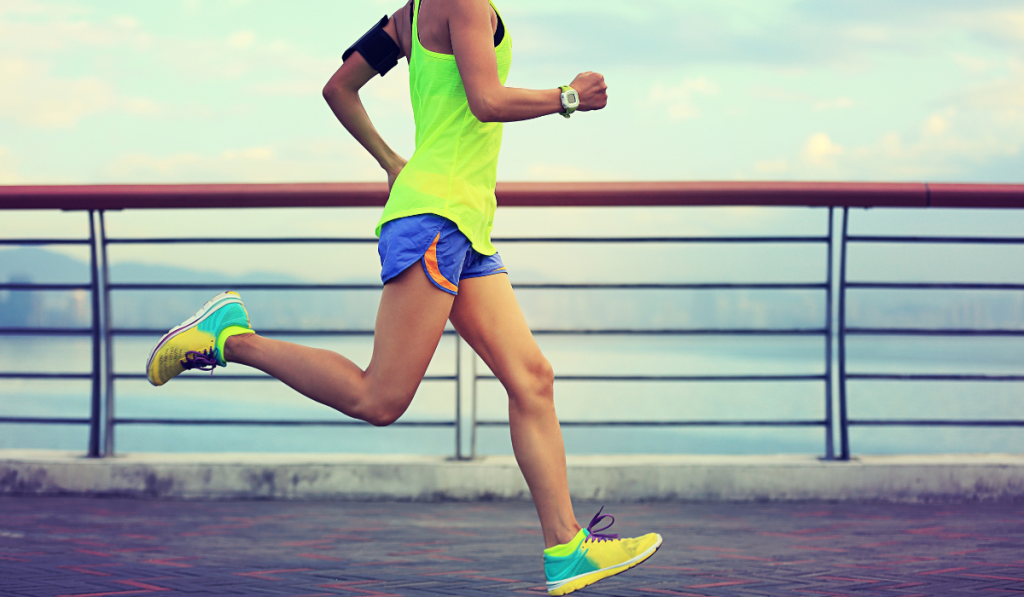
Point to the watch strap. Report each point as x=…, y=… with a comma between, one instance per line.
x=568, y=111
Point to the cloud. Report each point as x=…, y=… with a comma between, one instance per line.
x=819, y=150
x=135, y=166
x=8, y=174
x=1001, y=94
x=546, y=172
x=946, y=145
x=774, y=33
x=36, y=42
x=323, y=160
x=839, y=103
x=677, y=99
x=34, y=97
x=938, y=123
x=31, y=28
x=241, y=40
x=771, y=166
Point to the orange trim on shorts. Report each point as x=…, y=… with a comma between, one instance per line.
x=430, y=260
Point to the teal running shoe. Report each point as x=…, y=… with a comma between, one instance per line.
x=198, y=343
x=592, y=556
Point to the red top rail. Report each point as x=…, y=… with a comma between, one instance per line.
x=522, y=194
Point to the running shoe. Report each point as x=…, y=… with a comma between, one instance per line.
x=198, y=343
x=593, y=555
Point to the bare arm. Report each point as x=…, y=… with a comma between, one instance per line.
x=469, y=22
x=342, y=95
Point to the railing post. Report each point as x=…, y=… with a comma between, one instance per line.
x=844, y=436
x=472, y=443
x=97, y=339
x=458, y=397
x=829, y=450
x=108, y=345
x=465, y=414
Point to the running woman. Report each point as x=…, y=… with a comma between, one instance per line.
x=437, y=264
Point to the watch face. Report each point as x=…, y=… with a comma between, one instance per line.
x=572, y=97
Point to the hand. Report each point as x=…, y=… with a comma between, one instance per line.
x=592, y=89
x=394, y=171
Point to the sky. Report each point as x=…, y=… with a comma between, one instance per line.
x=114, y=91
x=207, y=91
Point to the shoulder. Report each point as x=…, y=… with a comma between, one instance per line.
x=401, y=24
x=461, y=6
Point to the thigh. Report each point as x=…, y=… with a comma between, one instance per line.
x=487, y=314
x=410, y=320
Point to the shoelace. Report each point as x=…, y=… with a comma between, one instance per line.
x=595, y=533
x=203, y=361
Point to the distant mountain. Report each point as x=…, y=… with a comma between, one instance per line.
x=42, y=266
x=322, y=309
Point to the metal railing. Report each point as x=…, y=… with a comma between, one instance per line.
x=827, y=196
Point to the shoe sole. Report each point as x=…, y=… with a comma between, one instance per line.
x=571, y=585
x=224, y=298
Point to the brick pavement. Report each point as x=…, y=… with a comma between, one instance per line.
x=90, y=547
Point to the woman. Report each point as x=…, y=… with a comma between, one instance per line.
x=437, y=264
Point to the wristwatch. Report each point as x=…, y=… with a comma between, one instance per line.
x=570, y=100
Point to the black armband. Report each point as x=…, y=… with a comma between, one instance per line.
x=377, y=48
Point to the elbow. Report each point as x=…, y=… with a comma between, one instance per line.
x=485, y=109
x=330, y=91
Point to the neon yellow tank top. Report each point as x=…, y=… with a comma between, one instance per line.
x=453, y=171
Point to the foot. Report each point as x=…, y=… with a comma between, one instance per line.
x=198, y=343
x=592, y=556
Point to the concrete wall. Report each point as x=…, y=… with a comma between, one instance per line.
x=603, y=478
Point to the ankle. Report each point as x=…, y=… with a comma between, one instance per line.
x=234, y=346
x=563, y=535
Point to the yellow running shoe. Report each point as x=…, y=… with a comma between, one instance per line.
x=198, y=343
x=592, y=556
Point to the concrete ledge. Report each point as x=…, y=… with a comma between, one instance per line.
x=606, y=478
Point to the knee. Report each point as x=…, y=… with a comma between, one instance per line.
x=381, y=410
x=536, y=384
x=382, y=418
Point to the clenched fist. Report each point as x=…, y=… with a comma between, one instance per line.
x=592, y=89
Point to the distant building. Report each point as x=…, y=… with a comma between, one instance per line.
x=20, y=308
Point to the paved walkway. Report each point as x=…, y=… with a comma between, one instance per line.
x=98, y=547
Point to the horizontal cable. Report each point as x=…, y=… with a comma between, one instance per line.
x=227, y=377
x=517, y=286
x=242, y=286
x=568, y=332
x=986, y=240
x=671, y=423
x=261, y=331
x=580, y=239
x=682, y=332
x=936, y=423
x=43, y=420
x=275, y=423
x=19, y=286
x=930, y=377
x=679, y=286
x=930, y=332
x=677, y=377
x=664, y=239
x=45, y=331
x=934, y=286
x=26, y=375
x=239, y=240
x=43, y=241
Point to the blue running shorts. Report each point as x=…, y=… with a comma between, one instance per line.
x=445, y=252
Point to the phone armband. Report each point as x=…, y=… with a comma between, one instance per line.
x=377, y=48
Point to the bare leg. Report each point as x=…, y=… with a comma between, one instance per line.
x=488, y=316
x=410, y=320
